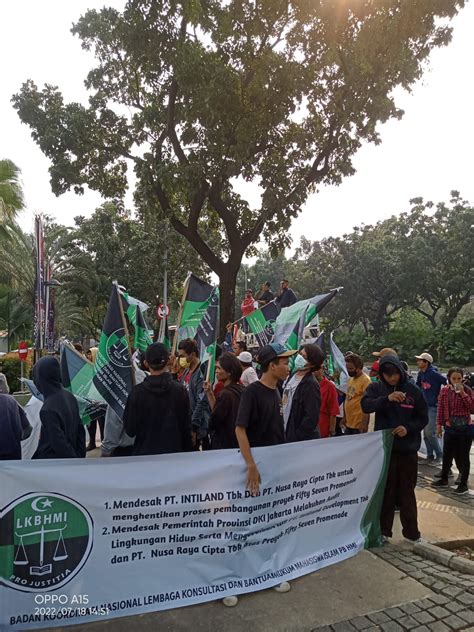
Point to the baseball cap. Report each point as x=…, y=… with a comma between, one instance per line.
x=245, y=357
x=383, y=352
x=272, y=351
x=425, y=356
x=157, y=355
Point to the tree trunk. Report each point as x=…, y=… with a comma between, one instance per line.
x=227, y=281
x=227, y=295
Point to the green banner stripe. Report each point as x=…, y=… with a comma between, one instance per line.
x=370, y=524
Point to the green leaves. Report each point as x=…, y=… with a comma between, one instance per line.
x=200, y=95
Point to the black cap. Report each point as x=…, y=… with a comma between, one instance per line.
x=272, y=351
x=157, y=355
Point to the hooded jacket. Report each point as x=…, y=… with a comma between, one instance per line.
x=430, y=382
x=304, y=414
x=412, y=413
x=14, y=427
x=62, y=433
x=158, y=415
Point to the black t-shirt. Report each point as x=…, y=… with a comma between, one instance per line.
x=260, y=412
x=267, y=296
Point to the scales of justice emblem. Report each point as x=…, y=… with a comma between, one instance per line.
x=48, y=538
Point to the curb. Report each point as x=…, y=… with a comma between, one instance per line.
x=447, y=558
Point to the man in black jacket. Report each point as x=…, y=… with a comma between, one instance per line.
x=157, y=412
x=399, y=405
x=62, y=433
x=302, y=397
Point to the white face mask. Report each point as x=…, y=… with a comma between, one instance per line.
x=300, y=362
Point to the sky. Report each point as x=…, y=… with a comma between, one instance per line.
x=428, y=153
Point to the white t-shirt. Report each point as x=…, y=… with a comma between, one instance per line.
x=289, y=390
x=249, y=375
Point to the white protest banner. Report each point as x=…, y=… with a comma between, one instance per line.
x=86, y=539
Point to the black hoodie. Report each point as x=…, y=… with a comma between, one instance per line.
x=62, y=433
x=158, y=415
x=412, y=413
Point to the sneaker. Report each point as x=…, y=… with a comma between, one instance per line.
x=417, y=541
x=284, y=587
x=231, y=601
x=434, y=462
x=440, y=475
x=385, y=540
x=440, y=483
x=461, y=489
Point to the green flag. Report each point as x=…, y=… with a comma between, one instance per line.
x=196, y=301
x=113, y=368
x=290, y=324
x=77, y=375
x=133, y=309
x=207, y=332
x=261, y=322
x=200, y=319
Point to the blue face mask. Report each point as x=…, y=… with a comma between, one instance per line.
x=300, y=362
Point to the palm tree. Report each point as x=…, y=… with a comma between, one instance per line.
x=11, y=194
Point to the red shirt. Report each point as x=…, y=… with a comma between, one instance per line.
x=452, y=404
x=329, y=406
x=248, y=306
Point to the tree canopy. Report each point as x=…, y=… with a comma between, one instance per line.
x=407, y=279
x=200, y=94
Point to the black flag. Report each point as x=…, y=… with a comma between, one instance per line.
x=113, y=367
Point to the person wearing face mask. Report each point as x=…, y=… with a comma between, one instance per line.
x=355, y=420
x=193, y=379
x=399, y=406
x=301, y=396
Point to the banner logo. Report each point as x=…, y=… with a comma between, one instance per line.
x=117, y=349
x=45, y=539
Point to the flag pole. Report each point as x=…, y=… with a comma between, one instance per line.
x=180, y=313
x=125, y=327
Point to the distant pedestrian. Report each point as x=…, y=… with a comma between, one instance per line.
x=430, y=381
x=455, y=407
x=62, y=433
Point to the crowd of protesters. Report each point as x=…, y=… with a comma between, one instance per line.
x=279, y=396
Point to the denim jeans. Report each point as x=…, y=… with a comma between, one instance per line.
x=431, y=441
